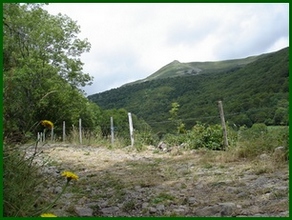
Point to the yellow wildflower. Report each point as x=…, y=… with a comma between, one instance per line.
x=47, y=123
x=69, y=175
x=48, y=215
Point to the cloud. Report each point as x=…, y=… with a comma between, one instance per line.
x=131, y=41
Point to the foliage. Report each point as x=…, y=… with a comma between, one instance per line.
x=21, y=182
x=200, y=136
x=174, y=117
x=261, y=139
x=42, y=71
x=25, y=184
x=254, y=92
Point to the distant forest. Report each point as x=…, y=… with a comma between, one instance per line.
x=257, y=92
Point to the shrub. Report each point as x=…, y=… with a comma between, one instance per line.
x=201, y=136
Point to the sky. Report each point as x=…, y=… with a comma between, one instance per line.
x=130, y=41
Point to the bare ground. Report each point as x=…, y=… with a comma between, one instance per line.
x=124, y=182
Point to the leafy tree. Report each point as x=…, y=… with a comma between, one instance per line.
x=42, y=70
x=281, y=116
x=174, y=117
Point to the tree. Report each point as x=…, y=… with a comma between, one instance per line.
x=174, y=117
x=42, y=70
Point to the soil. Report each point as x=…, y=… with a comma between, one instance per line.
x=125, y=182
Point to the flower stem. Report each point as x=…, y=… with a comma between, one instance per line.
x=56, y=199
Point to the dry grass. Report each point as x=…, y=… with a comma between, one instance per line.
x=109, y=173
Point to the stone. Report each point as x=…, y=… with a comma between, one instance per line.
x=280, y=153
x=152, y=210
x=192, y=200
x=227, y=208
x=162, y=146
x=57, y=190
x=208, y=211
x=264, y=157
x=84, y=211
x=110, y=210
x=160, y=207
x=145, y=205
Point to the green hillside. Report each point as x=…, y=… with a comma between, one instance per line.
x=254, y=90
x=177, y=68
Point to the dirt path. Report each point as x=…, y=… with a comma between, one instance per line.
x=123, y=182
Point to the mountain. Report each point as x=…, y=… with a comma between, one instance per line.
x=176, y=68
x=253, y=90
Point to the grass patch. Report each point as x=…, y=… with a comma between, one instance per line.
x=162, y=197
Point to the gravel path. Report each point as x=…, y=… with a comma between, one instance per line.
x=124, y=182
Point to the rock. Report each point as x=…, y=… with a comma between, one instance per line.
x=208, y=211
x=57, y=190
x=192, y=200
x=227, y=208
x=284, y=214
x=111, y=211
x=152, y=210
x=179, y=211
x=280, y=149
x=145, y=205
x=280, y=153
x=162, y=146
x=160, y=207
x=242, y=194
x=259, y=182
x=264, y=157
x=84, y=211
x=231, y=189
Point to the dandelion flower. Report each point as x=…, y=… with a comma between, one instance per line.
x=69, y=175
x=48, y=215
x=47, y=124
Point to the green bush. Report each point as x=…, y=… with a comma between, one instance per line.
x=261, y=139
x=210, y=136
x=201, y=136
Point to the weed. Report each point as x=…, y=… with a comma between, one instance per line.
x=129, y=206
x=24, y=185
x=162, y=198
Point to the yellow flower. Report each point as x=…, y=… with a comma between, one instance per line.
x=48, y=215
x=69, y=175
x=47, y=123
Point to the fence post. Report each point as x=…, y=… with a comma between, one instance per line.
x=64, y=131
x=112, y=130
x=39, y=137
x=44, y=135
x=225, y=140
x=52, y=134
x=80, y=131
x=131, y=129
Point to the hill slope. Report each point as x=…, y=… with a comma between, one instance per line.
x=256, y=92
x=177, y=68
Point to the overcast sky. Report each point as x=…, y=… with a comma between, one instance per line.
x=132, y=41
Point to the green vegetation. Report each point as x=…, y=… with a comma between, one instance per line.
x=256, y=92
x=42, y=72
x=43, y=80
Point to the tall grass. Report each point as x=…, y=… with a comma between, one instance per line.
x=22, y=181
x=260, y=139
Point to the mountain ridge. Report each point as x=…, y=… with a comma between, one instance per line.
x=256, y=92
x=177, y=68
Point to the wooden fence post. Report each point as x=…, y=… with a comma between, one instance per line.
x=112, y=130
x=64, y=131
x=44, y=135
x=52, y=134
x=131, y=129
x=225, y=140
x=80, y=131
